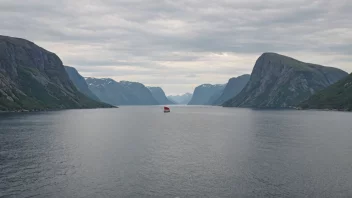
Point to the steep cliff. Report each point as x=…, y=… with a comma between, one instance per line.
x=337, y=96
x=32, y=78
x=121, y=93
x=279, y=81
x=160, y=96
x=80, y=83
x=233, y=87
x=205, y=94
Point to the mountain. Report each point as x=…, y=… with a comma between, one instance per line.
x=32, y=78
x=215, y=96
x=206, y=94
x=233, y=87
x=160, y=96
x=121, y=93
x=337, y=96
x=181, y=99
x=279, y=81
x=174, y=102
x=79, y=82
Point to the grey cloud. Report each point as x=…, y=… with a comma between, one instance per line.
x=191, y=75
x=111, y=63
x=147, y=33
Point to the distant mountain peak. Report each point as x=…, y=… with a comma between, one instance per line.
x=185, y=94
x=181, y=98
x=99, y=82
x=121, y=93
x=127, y=82
x=211, y=85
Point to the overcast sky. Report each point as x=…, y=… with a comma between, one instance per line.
x=179, y=44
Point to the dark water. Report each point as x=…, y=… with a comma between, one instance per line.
x=191, y=152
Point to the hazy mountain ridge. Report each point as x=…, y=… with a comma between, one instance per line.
x=279, y=81
x=233, y=87
x=121, y=93
x=206, y=94
x=181, y=99
x=33, y=78
x=159, y=94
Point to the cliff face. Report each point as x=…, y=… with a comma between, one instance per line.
x=160, y=96
x=121, y=93
x=337, y=96
x=205, y=94
x=143, y=94
x=80, y=83
x=34, y=78
x=279, y=81
x=233, y=87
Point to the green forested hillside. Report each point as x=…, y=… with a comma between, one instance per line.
x=337, y=96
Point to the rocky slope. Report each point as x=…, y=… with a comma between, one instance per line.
x=160, y=96
x=215, y=96
x=206, y=94
x=337, y=96
x=32, y=78
x=233, y=87
x=181, y=99
x=79, y=82
x=121, y=93
x=279, y=81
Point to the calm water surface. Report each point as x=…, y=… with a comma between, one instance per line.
x=190, y=152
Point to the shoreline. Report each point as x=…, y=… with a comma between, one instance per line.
x=47, y=110
x=291, y=108
x=334, y=110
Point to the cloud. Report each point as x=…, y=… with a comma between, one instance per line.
x=180, y=44
x=191, y=76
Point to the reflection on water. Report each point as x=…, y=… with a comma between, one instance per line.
x=190, y=152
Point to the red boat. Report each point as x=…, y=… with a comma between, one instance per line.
x=166, y=110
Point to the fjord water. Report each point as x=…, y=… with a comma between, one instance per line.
x=190, y=152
